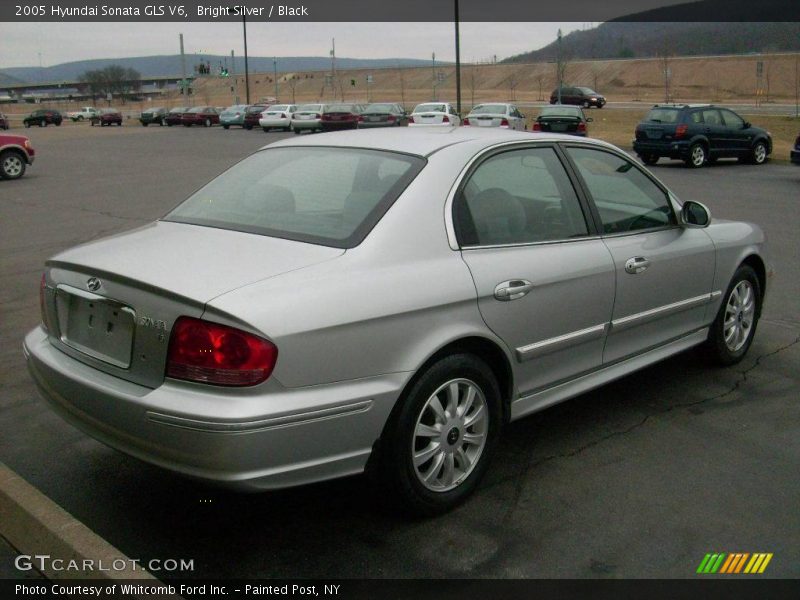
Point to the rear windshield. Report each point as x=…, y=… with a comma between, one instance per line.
x=279, y=107
x=489, y=109
x=256, y=109
x=430, y=108
x=178, y=109
x=561, y=111
x=341, y=108
x=328, y=196
x=310, y=108
x=236, y=108
x=380, y=108
x=663, y=115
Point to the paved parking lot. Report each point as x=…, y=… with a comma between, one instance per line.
x=640, y=478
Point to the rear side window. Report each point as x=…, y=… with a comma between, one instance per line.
x=663, y=115
x=625, y=198
x=518, y=197
x=328, y=196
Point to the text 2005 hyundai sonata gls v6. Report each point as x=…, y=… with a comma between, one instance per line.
x=385, y=300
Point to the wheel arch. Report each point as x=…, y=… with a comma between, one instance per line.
x=755, y=262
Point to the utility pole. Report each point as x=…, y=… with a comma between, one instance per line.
x=246, y=69
x=183, y=66
x=458, y=63
x=558, y=66
x=275, y=72
x=333, y=68
x=433, y=74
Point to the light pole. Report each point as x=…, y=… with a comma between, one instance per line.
x=558, y=66
x=433, y=74
x=458, y=63
x=246, y=70
x=275, y=73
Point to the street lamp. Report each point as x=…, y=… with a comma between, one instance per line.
x=246, y=70
x=275, y=72
x=458, y=63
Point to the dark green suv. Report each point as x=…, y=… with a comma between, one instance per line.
x=43, y=117
x=698, y=134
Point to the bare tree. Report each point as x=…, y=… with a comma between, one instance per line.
x=112, y=79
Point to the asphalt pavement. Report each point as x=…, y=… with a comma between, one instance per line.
x=640, y=478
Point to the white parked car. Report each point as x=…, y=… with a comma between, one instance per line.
x=442, y=114
x=86, y=112
x=502, y=115
x=277, y=116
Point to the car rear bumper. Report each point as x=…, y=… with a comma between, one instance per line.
x=337, y=125
x=371, y=124
x=239, y=439
x=274, y=122
x=306, y=124
x=670, y=149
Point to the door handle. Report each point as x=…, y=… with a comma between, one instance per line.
x=513, y=289
x=637, y=264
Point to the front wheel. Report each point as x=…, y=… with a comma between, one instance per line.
x=12, y=165
x=42, y=123
x=439, y=443
x=697, y=156
x=732, y=332
x=649, y=159
x=759, y=154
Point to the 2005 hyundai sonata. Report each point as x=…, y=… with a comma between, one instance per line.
x=385, y=301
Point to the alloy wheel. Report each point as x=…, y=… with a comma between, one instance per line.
x=450, y=435
x=739, y=316
x=12, y=166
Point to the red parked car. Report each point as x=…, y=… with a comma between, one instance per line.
x=253, y=114
x=15, y=153
x=341, y=116
x=200, y=115
x=107, y=116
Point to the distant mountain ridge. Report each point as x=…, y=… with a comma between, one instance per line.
x=647, y=39
x=165, y=65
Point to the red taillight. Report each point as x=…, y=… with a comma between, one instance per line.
x=360, y=119
x=317, y=116
x=582, y=126
x=504, y=123
x=445, y=119
x=391, y=119
x=212, y=353
x=465, y=122
x=410, y=118
x=680, y=131
x=537, y=126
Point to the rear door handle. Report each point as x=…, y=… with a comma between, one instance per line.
x=512, y=289
x=637, y=264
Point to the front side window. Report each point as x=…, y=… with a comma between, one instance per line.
x=328, y=196
x=518, y=197
x=626, y=199
x=732, y=120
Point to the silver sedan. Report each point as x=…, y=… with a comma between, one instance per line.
x=506, y=116
x=390, y=312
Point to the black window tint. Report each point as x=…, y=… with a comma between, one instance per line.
x=518, y=197
x=696, y=117
x=711, y=117
x=625, y=197
x=732, y=120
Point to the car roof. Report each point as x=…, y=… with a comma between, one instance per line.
x=422, y=141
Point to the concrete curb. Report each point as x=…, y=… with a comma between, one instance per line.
x=35, y=525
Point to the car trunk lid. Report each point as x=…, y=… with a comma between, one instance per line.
x=111, y=303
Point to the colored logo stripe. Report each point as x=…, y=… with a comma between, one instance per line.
x=734, y=563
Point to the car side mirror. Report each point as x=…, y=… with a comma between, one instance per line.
x=695, y=215
x=746, y=125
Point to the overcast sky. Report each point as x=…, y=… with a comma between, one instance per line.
x=21, y=43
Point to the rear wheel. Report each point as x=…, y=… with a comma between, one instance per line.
x=587, y=104
x=226, y=126
x=649, y=159
x=42, y=123
x=12, y=165
x=438, y=445
x=732, y=332
x=697, y=156
x=758, y=155
x=145, y=124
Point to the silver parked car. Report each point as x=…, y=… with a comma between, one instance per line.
x=506, y=116
x=390, y=312
x=308, y=117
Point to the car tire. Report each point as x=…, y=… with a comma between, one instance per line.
x=697, y=156
x=162, y=122
x=80, y=118
x=732, y=331
x=758, y=155
x=169, y=124
x=265, y=129
x=144, y=124
x=587, y=104
x=58, y=123
x=649, y=159
x=27, y=124
x=432, y=454
x=42, y=123
x=12, y=165
x=207, y=123
x=248, y=127
x=297, y=131
x=226, y=126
